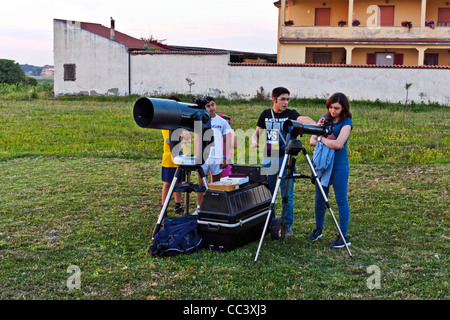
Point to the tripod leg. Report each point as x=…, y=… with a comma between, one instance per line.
x=327, y=203
x=290, y=172
x=166, y=202
x=186, y=194
x=272, y=205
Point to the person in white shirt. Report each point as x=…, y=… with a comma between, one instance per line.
x=217, y=160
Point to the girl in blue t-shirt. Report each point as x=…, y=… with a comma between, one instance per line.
x=339, y=114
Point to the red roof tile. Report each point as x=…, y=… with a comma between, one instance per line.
x=120, y=37
x=185, y=52
x=334, y=65
x=365, y=40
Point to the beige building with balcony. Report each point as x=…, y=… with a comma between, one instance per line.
x=373, y=32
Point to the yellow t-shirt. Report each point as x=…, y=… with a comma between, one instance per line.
x=167, y=156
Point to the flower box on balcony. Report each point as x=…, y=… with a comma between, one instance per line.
x=289, y=23
x=342, y=23
x=407, y=24
x=355, y=22
x=429, y=23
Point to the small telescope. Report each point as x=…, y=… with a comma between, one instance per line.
x=294, y=128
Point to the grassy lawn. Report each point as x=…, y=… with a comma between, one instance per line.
x=81, y=187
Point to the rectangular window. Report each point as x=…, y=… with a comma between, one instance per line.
x=69, y=72
x=387, y=16
x=443, y=17
x=385, y=58
x=322, y=17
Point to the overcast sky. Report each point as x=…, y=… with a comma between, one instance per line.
x=26, y=26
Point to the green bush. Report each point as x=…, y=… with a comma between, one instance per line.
x=11, y=72
x=23, y=91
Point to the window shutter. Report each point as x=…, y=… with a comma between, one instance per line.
x=398, y=59
x=371, y=58
x=69, y=72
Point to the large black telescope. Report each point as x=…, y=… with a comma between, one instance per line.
x=168, y=114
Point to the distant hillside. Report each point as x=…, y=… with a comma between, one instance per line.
x=32, y=70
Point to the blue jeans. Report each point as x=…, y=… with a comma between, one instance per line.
x=339, y=180
x=272, y=181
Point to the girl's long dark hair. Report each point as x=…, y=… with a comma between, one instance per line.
x=343, y=101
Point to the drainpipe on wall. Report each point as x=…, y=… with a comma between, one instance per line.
x=112, y=34
x=129, y=72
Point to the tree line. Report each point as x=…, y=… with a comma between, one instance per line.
x=12, y=73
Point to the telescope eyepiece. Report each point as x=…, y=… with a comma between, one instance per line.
x=200, y=102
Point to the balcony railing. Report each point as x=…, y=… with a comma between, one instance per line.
x=361, y=32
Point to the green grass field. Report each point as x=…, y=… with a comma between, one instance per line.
x=81, y=187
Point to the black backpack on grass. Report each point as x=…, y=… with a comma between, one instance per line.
x=179, y=235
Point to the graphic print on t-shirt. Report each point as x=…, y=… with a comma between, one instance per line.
x=274, y=134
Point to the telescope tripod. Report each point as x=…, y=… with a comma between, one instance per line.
x=292, y=149
x=187, y=187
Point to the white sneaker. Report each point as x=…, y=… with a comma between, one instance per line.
x=196, y=211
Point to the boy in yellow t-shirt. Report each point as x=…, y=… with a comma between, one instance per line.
x=168, y=169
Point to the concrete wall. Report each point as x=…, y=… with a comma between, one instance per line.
x=154, y=74
x=160, y=73
x=385, y=84
x=101, y=64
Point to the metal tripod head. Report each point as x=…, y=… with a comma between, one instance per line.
x=293, y=146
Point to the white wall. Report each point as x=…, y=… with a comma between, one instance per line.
x=165, y=73
x=385, y=84
x=159, y=73
x=101, y=64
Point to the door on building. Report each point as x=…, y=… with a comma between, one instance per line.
x=443, y=17
x=387, y=16
x=322, y=57
x=322, y=17
x=431, y=59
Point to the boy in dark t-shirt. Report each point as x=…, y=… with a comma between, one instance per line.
x=271, y=120
x=273, y=123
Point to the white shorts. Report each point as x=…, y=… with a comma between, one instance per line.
x=213, y=165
